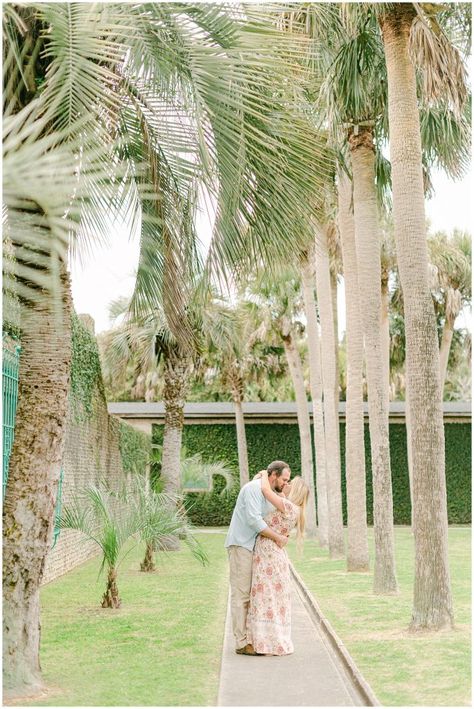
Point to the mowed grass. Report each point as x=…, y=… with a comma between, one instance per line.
x=161, y=648
x=423, y=669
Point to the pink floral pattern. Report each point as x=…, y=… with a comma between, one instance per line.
x=269, y=616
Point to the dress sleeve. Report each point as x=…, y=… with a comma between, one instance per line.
x=291, y=511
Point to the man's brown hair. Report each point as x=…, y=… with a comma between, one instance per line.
x=277, y=466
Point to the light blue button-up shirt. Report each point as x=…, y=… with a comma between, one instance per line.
x=247, y=519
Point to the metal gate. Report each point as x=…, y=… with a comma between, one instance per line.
x=11, y=362
x=10, y=369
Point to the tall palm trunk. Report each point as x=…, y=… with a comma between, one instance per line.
x=176, y=376
x=385, y=336
x=432, y=602
x=367, y=237
x=446, y=339
x=315, y=378
x=336, y=349
x=304, y=426
x=357, y=541
x=35, y=463
x=409, y=452
x=237, y=397
x=331, y=415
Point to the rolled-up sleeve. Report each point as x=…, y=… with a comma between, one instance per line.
x=253, y=509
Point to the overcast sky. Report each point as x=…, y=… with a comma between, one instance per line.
x=108, y=272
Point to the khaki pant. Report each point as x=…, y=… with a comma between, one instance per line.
x=240, y=563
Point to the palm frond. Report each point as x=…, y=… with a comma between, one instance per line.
x=446, y=138
x=161, y=517
x=197, y=549
x=198, y=475
x=103, y=517
x=440, y=62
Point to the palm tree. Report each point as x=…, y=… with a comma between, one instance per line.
x=357, y=539
x=369, y=272
x=452, y=260
x=315, y=378
x=36, y=175
x=108, y=519
x=330, y=385
x=388, y=264
x=346, y=65
x=355, y=98
x=355, y=27
x=244, y=366
x=236, y=382
x=198, y=107
x=235, y=361
x=277, y=303
x=161, y=518
x=402, y=24
x=335, y=270
x=149, y=337
x=111, y=519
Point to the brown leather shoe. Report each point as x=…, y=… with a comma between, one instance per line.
x=246, y=650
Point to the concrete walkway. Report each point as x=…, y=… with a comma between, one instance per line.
x=311, y=676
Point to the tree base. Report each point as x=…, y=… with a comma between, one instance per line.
x=148, y=563
x=386, y=591
x=358, y=568
x=431, y=625
x=111, y=598
x=110, y=601
x=385, y=581
x=23, y=693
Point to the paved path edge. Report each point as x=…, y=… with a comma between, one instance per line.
x=226, y=626
x=338, y=646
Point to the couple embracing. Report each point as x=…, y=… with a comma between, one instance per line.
x=267, y=509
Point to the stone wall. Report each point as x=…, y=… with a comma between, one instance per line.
x=92, y=453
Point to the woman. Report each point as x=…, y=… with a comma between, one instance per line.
x=269, y=616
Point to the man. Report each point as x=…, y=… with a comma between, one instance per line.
x=246, y=523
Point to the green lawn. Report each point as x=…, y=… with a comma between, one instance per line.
x=402, y=668
x=162, y=647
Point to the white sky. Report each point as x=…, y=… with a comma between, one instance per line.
x=108, y=272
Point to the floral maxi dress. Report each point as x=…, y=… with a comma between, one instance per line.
x=269, y=615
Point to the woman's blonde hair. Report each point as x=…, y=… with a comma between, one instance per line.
x=298, y=494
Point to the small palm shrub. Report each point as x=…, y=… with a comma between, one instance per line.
x=104, y=517
x=111, y=518
x=163, y=519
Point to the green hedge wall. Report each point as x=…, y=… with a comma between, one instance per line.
x=135, y=449
x=269, y=441
x=87, y=389
x=86, y=374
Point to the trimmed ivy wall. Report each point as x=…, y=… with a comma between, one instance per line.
x=267, y=442
x=135, y=449
x=87, y=394
x=98, y=447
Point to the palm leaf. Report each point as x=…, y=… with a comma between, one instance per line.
x=195, y=473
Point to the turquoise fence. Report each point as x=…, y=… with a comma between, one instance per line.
x=10, y=369
x=11, y=362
